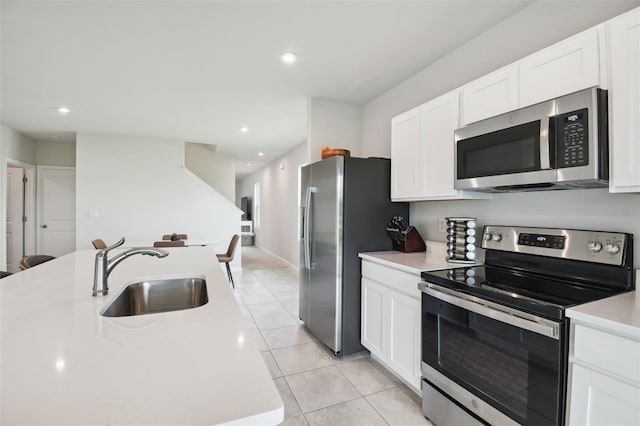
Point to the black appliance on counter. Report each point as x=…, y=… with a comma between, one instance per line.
x=495, y=337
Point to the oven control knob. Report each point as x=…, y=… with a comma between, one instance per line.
x=595, y=246
x=496, y=237
x=612, y=248
x=487, y=237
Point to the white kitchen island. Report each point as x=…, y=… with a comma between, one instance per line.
x=62, y=363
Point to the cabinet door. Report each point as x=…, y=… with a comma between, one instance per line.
x=490, y=95
x=438, y=120
x=597, y=399
x=404, y=337
x=566, y=67
x=624, y=100
x=373, y=326
x=405, y=155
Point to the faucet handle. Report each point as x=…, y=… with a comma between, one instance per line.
x=118, y=244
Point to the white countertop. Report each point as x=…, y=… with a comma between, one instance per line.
x=620, y=314
x=64, y=364
x=414, y=263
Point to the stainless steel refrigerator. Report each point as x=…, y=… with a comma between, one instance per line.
x=345, y=207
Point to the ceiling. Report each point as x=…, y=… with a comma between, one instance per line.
x=197, y=71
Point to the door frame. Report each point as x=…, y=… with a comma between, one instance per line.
x=30, y=208
x=40, y=198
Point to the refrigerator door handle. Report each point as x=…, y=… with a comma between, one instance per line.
x=307, y=227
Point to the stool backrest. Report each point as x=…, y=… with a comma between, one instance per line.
x=165, y=243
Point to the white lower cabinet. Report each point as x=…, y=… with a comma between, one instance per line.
x=391, y=320
x=373, y=296
x=604, y=378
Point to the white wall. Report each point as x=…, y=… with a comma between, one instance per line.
x=507, y=42
x=278, y=232
x=56, y=153
x=140, y=190
x=333, y=124
x=215, y=168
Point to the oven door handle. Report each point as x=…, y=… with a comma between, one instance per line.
x=497, y=312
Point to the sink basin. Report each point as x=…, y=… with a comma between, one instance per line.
x=155, y=296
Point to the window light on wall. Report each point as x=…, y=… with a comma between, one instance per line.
x=256, y=205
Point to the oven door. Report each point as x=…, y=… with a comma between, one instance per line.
x=504, y=366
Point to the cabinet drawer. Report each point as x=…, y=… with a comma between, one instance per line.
x=397, y=280
x=608, y=352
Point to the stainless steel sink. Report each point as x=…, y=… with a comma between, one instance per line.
x=155, y=296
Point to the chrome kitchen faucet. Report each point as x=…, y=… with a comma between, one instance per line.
x=104, y=266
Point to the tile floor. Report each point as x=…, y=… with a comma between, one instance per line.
x=316, y=387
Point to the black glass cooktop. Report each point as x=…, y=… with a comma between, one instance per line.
x=544, y=296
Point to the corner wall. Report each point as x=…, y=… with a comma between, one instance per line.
x=139, y=189
x=215, y=168
x=55, y=153
x=278, y=232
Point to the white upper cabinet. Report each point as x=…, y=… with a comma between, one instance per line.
x=405, y=155
x=490, y=95
x=566, y=67
x=422, y=152
x=439, y=118
x=624, y=102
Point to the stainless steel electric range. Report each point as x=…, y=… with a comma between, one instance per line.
x=495, y=337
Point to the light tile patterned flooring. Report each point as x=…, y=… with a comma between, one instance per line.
x=316, y=387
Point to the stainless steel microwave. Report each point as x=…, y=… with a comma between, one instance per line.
x=557, y=144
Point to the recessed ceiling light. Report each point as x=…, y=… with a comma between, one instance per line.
x=248, y=164
x=288, y=57
x=261, y=154
x=63, y=110
x=243, y=129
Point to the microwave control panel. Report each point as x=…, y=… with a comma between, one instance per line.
x=572, y=139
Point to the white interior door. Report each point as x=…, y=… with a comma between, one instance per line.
x=15, y=213
x=57, y=210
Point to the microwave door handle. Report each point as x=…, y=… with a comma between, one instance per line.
x=544, y=144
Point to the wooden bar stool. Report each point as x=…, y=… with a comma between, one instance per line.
x=33, y=260
x=99, y=244
x=165, y=243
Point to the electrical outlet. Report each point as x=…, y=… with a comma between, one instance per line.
x=442, y=224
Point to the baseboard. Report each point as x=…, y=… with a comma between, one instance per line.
x=275, y=255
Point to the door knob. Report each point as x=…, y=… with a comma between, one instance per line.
x=45, y=226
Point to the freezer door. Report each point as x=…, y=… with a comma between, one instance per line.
x=326, y=220
x=305, y=247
